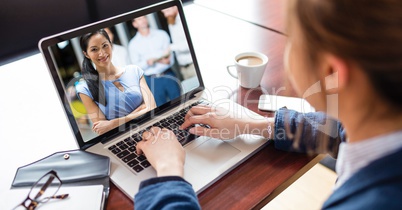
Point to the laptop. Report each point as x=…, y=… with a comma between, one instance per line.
x=207, y=159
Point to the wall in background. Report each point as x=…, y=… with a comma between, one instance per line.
x=23, y=23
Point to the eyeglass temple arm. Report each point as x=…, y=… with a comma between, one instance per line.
x=61, y=196
x=44, y=187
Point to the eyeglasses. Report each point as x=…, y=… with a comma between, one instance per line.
x=41, y=192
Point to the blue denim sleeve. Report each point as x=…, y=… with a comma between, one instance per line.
x=311, y=133
x=171, y=192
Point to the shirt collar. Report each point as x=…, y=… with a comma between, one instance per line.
x=354, y=156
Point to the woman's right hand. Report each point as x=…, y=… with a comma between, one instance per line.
x=222, y=123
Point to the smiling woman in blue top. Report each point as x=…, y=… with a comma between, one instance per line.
x=111, y=95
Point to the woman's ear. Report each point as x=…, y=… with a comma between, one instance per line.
x=86, y=55
x=336, y=74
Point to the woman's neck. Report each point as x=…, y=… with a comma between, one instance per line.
x=363, y=112
x=109, y=73
x=371, y=121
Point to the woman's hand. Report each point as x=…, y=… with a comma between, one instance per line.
x=103, y=126
x=142, y=106
x=223, y=124
x=163, y=151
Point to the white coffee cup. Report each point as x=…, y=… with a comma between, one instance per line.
x=250, y=67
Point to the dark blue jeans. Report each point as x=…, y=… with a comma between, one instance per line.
x=165, y=87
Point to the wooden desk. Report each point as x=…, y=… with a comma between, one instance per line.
x=217, y=38
x=265, y=13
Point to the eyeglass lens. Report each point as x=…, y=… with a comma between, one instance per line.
x=45, y=188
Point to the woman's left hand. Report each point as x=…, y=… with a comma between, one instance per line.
x=163, y=151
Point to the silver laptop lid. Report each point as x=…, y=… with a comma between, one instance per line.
x=64, y=58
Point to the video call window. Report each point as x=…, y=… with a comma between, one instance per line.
x=170, y=74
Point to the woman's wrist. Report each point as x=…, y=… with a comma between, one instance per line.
x=175, y=169
x=117, y=122
x=264, y=127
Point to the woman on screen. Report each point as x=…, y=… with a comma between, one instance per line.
x=111, y=95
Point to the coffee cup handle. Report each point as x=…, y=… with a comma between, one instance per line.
x=230, y=72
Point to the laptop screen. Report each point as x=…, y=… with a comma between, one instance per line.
x=116, y=73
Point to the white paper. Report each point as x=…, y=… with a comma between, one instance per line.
x=80, y=197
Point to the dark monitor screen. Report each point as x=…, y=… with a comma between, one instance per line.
x=24, y=23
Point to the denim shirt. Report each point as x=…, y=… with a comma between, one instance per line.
x=312, y=133
x=169, y=192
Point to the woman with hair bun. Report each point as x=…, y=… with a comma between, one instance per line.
x=351, y=49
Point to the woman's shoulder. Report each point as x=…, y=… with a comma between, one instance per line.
x=81, y=86
x=133, y=69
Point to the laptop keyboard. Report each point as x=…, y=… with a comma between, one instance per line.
x=126, y=149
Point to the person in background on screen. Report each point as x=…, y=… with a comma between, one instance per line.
x=149, y=49
x=348, y=48
x=179, y=42
x=111, y=95
x=120, y=53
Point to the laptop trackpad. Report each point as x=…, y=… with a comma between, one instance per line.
x=210, y=155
